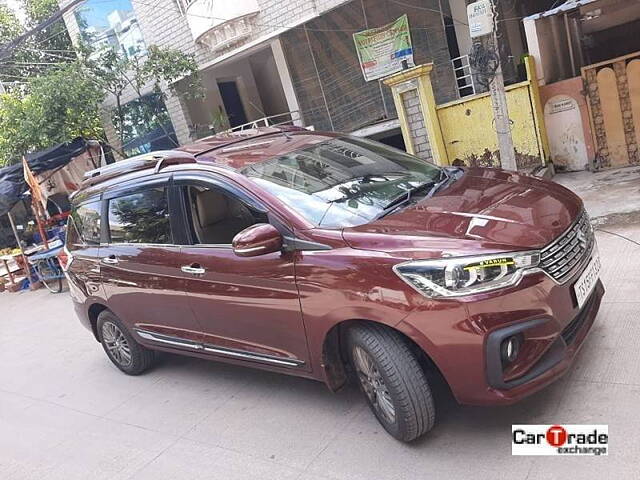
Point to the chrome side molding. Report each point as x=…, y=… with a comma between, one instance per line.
x=216, y=350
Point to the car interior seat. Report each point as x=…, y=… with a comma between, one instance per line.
x=218, y=218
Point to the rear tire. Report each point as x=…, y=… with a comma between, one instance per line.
x=120, y=346
x=392, y=380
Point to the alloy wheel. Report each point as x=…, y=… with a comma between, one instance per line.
x=116, y=343
x=373, y=384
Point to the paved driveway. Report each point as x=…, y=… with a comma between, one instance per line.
x=67, y=413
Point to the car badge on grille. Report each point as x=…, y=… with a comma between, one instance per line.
x=582, y=238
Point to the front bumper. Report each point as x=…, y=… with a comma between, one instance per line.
x=463, y=338
x=553, y=363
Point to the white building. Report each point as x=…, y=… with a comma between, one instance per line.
x=296, y=59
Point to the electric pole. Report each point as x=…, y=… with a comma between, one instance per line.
x=483, y=24
x=500, y=106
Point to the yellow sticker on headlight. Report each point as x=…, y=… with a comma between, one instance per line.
x=494, y=262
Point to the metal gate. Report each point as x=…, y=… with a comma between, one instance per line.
x=613, y=89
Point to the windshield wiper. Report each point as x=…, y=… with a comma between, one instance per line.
x=405, y=198
x=449, y=175
x=446, y=177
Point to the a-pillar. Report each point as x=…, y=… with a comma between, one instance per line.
x=416, y=107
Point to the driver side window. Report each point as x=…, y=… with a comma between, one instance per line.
x=216, y=216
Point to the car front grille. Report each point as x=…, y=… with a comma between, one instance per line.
x=570, y=251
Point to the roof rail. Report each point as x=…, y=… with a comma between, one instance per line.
x=156, y=160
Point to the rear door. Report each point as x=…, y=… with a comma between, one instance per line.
x=83, y=242
x=248, y=308
x=140, y=265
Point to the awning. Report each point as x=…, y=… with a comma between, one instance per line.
x=12, y=184
x=565, y=7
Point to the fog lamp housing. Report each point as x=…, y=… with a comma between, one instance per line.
x=510, y=349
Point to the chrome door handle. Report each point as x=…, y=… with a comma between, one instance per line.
x=110, y=260
x=193, y=270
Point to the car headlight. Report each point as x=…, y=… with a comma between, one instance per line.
x=460, y=276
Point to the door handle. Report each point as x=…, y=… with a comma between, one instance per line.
x=193, y=269
x=111, y=260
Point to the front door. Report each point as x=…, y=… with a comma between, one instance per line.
x=248, y=308
x=232, y=103
x=140, y=267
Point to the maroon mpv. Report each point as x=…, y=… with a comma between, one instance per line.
x=323, y=255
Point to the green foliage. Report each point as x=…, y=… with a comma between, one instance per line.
x=165, y=65
x=55, y=91
x=68, y=103
x=54, y=38
x=146, y=76
x=38, y=53
x=16, y=127
x=58, y=106
x=10, y=27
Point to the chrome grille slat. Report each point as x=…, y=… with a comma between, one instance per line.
x=569, y=251
x=570, y=247
x=575, y=253
x=564, y=240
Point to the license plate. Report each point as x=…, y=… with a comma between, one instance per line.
x=588, y=280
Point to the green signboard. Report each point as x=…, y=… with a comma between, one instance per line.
x=382, y=50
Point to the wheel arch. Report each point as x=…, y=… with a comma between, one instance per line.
x=335, y=357
x=92, y=313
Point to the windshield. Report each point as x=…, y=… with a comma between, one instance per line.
x=342, y=182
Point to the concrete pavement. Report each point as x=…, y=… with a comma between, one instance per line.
x=611, y=196
x=67, y=413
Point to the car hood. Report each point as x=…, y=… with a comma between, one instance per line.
x=485, y=209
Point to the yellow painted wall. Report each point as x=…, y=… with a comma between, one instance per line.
x=469, y=133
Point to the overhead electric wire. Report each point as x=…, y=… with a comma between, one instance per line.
x=8, y=47
x=618, y=235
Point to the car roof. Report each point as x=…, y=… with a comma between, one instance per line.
x=226, y=151
x=237, y=150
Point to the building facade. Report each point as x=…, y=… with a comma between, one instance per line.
x=290, y=60
x=293, y=60
x=588, y=58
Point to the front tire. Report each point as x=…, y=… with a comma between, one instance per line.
x=392, y=380
x=120, y=346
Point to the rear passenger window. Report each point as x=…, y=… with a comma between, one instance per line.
x=140, y=218
x=84, y=225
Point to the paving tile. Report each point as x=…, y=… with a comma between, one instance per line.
x=594, y=403
x=188, y=391
x=194, y=461
x=278, y=417
x=619, y=269
x=29, y=428
x=610, y=354
x=103, y=450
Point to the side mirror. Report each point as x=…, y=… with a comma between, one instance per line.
x=257, y=240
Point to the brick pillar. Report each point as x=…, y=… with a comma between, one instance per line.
x=179, y=117
x=416, y=107
x=620, y=68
